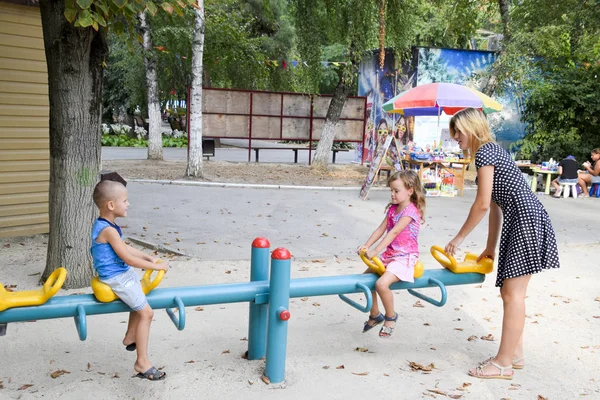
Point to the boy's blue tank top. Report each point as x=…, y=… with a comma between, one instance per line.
x=106, y=261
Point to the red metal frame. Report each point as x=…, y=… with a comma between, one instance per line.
x=250, y=116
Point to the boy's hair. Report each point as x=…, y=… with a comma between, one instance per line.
x=473, y=123
x=411, y=180
x=106, y=191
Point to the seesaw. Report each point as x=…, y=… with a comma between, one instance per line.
x=268, y=294
x=33, y=297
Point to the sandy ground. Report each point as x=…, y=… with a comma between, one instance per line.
x=205, y=360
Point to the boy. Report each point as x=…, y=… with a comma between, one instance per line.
x=567, y=173
x=112, y=260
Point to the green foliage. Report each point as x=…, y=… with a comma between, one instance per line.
x=555, y=56
x=126, y=141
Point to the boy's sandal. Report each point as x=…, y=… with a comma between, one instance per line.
x=152, y=374
x=479, y=373
x=518, y=363
x=376, y=321
x=386, y=331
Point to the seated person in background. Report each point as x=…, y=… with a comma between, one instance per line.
x=567, y=173
x=592, y=174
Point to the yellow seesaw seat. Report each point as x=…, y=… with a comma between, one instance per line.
x=377, y=266
x=470, y=264
x=104, y=293
x=33, y=297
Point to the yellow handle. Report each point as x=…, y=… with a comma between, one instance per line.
x=375, y=264
x=147, y=284
x=54, y=282
x=448, y=261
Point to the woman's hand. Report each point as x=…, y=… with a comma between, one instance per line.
x=489, y=253
x=452, y=246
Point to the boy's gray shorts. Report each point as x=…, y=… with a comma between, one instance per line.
x=127, y=286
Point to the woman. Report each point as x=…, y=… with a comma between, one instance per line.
x=592, y=174
x=527, y=245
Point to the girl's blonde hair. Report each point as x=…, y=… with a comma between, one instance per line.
x=474, y=124
x=411, y=180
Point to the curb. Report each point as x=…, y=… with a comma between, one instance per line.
x=158, y=247
x=251, y=185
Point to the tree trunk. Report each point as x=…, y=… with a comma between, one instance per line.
x=74, y=58
x=340, y=94
x=154, y=126
x=492, y=81
x=194, y=167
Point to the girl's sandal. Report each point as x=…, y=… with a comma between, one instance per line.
x=479, y=372
x=376, y=321
x=386, y=331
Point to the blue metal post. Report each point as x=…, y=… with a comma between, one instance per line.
x=279, y=300
x=257, y=327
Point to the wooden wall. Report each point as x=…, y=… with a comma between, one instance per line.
x=24, y=112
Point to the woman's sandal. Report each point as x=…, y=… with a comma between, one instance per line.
x=386, y=331
x=518, y=363
x=482, y=375
x=377, y=320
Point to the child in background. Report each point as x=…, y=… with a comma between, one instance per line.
x=112, y=259
x=567, y=173
x=400, y=232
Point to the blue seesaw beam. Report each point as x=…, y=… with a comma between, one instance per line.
x=258, y=292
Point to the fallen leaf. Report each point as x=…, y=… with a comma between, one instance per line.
x=58, y=373
x=325, y=234
x=418, y=304
x=244, y=339
x=513, y=388
x=457, y=309
x=199, y=308
x=116, y=375
x=265, y=379
x=418, y=367
x=361, y=349
x=225, y=352
x=432, y=348
x=89, y=367
x=318, y=261
x=540, y=397
x=37, y=273
x=340, y=367
x=25, y=386
x=316, y=304
x=489, y=338
x=200, y=242
x=585, y=347
x=304, y=298
x=385, y=374
x=326, y=367
x=472, y=338
x=488, y=319
x=437, y=391
x=228, y=272
x=190, y=362
x=101, y=373
x=427, y=324
x=7, y=245
x=597, y=299
x=455, y=396
x=245, y=355
x=251, y=382
x=360, y=373
x=459, y=329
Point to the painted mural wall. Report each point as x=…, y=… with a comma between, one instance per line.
x=427, y=65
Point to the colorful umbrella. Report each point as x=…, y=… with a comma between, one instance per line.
x=435, y=98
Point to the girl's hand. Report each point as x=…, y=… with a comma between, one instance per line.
x=489, y=253
x=361, y=249
x=370, y=254
x=453, y=245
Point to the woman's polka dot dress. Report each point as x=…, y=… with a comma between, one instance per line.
x=527, y=243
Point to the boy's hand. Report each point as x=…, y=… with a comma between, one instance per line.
x=161, y=265
x=361, y=249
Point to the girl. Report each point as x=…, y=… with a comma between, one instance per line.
x=400, y=231
x=527, y=245
x=592, y=175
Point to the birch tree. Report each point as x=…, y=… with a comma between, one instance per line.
x=154, y=126
x=194, y=167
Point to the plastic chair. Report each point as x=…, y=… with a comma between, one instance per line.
x=595, y=190
x=569, y=188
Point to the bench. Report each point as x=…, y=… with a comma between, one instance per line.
x=294, y=149
x=208, y=148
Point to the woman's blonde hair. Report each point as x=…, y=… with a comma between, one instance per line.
x=596, y=150
x=473, y=123
x=411, y=180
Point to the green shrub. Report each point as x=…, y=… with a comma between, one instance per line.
x=126, y=141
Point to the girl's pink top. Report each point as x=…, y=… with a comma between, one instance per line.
x=407, y=241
